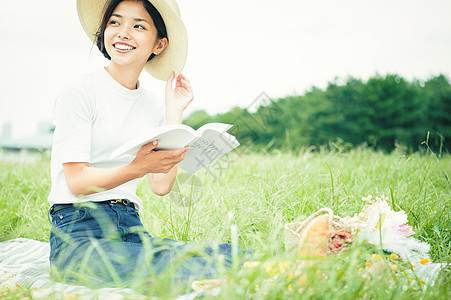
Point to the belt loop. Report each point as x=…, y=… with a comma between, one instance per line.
x=50, y=211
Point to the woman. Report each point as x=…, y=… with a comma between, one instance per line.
x=97, y=237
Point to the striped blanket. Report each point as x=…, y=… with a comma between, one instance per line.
x=26, y=262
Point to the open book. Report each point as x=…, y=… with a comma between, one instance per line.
x=208, y=143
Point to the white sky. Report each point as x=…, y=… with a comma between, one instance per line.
x=237, y=49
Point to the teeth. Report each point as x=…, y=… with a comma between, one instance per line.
x=123, y=47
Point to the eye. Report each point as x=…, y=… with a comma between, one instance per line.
x=139, y=26
x=113, y=22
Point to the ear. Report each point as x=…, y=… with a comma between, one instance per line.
x=160, y=46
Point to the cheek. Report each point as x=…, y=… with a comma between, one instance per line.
x=148, y=40
x=107, y=36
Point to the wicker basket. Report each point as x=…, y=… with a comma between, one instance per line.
x=292, y=230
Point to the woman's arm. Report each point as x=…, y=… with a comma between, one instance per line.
x=177, y=99
x=83, y=179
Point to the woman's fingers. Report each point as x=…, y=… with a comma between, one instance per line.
x=184, y=78
x=147, y=148
x=172, y=156
x=168, y=159
x=158, y=161
x=169, y=81
x=179, y=81
x=182, y=81
x=186, y=84
x=179, y=154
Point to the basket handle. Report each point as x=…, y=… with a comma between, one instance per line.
x=311, y=217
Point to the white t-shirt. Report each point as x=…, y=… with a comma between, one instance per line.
x=93, y=117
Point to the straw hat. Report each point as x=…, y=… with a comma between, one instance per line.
x=173, y=58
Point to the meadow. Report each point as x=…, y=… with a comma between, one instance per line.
x=248, y=199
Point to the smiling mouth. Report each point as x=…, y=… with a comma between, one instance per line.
x=123, y=47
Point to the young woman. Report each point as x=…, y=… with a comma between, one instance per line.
x=97, y=237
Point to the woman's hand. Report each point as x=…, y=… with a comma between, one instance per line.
x=83, y=179
x=149, y=161
x=178, y=98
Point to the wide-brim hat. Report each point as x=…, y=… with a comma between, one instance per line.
x=172, y=59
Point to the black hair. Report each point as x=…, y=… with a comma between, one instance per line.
x=111, y=6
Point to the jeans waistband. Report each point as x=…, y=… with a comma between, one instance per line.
x=57, y=207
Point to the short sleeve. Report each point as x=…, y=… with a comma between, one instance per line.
x=73, y=120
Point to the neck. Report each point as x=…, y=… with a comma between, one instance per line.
x=126, y=76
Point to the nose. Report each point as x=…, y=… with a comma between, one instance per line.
x=123, y=33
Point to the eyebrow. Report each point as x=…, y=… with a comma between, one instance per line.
x=136, y=19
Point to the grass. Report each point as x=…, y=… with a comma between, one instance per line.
x=251, y=196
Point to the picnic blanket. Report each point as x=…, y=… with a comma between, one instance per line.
x=26, y=262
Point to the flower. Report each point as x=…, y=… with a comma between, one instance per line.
x=375, y=257
x=393, y=256
x=404, y=229
x=380, y=225
x=425, y=261
x=251, y=264
x=338, y=239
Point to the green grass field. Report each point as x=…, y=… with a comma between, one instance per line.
x=249, y=198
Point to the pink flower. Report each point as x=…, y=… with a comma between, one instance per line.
x=338, y=240
x=405, y=230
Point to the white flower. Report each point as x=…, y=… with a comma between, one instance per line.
x=381, y=226
x=389, y=229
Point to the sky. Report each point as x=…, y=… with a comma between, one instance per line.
x=237, y=50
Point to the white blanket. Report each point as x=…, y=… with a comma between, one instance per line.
x=28, y=261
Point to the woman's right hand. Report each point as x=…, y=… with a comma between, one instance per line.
x=150, y=161
x=83, y=179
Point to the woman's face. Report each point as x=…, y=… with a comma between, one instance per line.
x=131, y=36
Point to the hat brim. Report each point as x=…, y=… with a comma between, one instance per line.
x=172, y=59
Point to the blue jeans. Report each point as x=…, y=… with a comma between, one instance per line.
x=105, y=244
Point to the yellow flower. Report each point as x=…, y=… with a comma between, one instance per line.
x=375, y=256
x=410, y=280
x=70, y=297
x=393, y=256
x=277, y=268
x=368, y=264
x=251, y=264
x=421, y=283
x=424, y=261
x=284, y=265
x=394, y=267
x=269, y=268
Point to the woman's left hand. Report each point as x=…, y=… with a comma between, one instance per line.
x=178, y=98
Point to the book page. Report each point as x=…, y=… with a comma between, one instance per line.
x=207, y=148
x=170, y=137
x=207, y=144
x=220, y=127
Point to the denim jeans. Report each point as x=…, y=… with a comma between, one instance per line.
x=105, y=244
